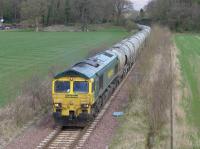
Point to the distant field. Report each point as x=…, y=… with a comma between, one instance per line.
x=23, y=54
x=189, y=46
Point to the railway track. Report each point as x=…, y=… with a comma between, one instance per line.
x=74, y=138
x=65, y=139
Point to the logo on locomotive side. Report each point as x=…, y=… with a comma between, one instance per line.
x=110, y=73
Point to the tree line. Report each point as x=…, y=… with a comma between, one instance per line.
x=179, y=15
x=48, y=12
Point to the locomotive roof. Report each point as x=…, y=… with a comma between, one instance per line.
x=90, y=67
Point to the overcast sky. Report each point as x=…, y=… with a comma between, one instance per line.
x=138, y=4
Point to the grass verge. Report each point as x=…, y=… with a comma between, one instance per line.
x=188, y=120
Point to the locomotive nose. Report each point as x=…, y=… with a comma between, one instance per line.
x=71, y=103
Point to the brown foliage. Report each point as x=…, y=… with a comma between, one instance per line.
x=39, y=13
x=154, y=81
x=179, y=15
x=130, y=25
x=33, y=100
x=160, y=83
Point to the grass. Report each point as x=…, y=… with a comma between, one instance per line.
x=189, y=45
x=23, y=54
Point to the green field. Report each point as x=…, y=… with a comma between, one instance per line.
x=23, y=54
x=189, y=45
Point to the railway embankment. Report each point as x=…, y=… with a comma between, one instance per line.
x=147, y=119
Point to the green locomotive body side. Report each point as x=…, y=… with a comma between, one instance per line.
x=104, y=77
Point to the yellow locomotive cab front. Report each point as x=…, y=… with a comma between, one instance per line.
x=72, y=97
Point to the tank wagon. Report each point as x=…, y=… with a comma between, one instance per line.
x=80, y=92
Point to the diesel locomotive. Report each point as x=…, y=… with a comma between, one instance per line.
x=80, y=92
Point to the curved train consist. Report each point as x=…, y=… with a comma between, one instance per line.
x=80, y=92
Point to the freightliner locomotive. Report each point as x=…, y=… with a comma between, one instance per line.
x=80, y=92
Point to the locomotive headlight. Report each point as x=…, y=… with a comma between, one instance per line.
x=83, y=106
x=57, y=105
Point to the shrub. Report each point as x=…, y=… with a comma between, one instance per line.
x=130, y=25
x=34, y=99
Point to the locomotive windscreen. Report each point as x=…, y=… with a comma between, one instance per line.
x=81, y=86
x=62, y=86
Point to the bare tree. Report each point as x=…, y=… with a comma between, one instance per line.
x=1, y=8
x=47, y=12
x=121, y=6
x=82, y=11
x=179, y=15
x=16, y=9
x=34, y=10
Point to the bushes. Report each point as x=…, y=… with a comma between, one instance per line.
x=130, y=25
x=178, y=15
x=33, y=100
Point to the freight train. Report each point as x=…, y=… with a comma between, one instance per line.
x=80, y=92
